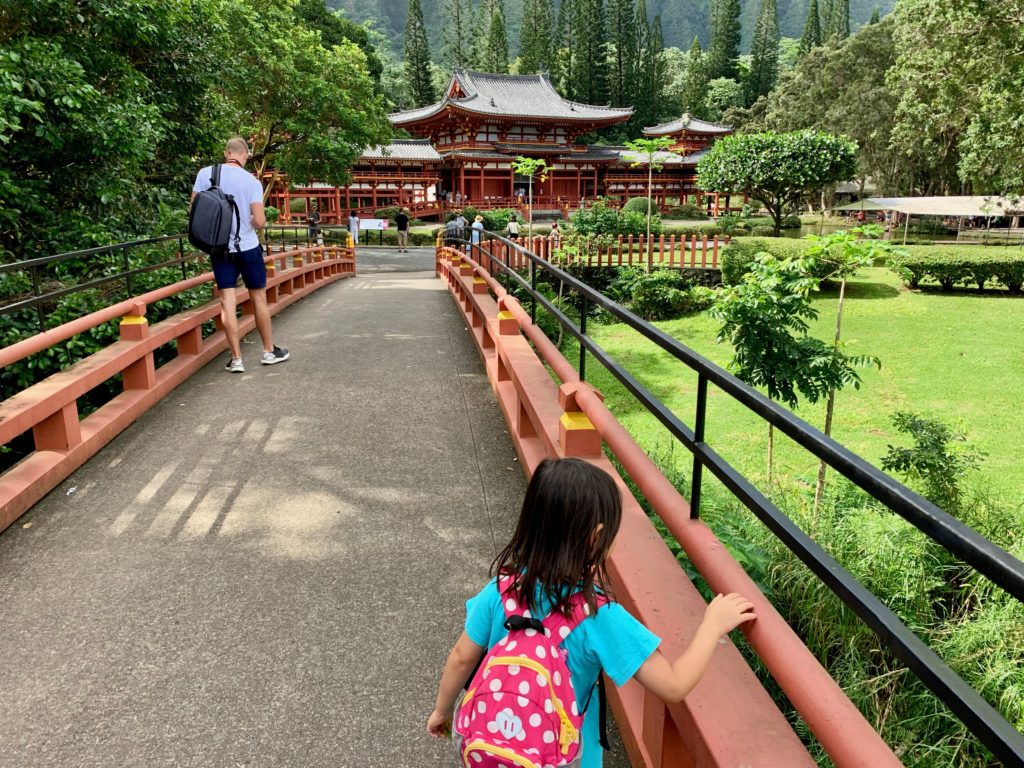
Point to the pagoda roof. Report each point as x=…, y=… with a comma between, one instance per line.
x=689, y=124
x=403, y=149
x=522, y=96
x=628, y=156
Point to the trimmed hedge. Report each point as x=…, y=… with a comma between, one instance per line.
x=693, y=229
x=639, y=204
x=950, y=266
x=739, y=254
x=762, y=231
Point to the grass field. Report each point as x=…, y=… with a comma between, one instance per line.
x=957, y=356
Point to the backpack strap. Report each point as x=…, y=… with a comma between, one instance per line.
x=215, y=176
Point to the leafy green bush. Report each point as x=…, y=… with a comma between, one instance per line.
x=961, y=265
x=937, y=462
x=688, y=211
x=664, y=294
x=791, y=222
x=600, y=219
x=640, y=204
x=762, y=231
x=297, y=205
x=389, y=212
x=273, y=214
x=739, y=254
x=498, y=219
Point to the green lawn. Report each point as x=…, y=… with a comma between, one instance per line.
x=958, y=356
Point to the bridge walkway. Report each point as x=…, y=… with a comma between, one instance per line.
x=267, y=569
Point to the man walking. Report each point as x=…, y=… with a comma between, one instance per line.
x=247, y=261
x=402, y=224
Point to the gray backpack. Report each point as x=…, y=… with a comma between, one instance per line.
x=209, y=220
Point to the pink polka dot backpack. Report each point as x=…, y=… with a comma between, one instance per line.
x=519, y=709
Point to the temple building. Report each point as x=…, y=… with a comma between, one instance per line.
x=468, y=141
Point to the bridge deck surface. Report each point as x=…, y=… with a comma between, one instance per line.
x=267, y=569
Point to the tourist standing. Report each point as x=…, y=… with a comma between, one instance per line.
x=246, y=260
x=402, y=224
x=353, y=226
x=313, y=224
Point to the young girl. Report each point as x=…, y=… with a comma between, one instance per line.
x=569, y=520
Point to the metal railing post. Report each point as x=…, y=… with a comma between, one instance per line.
x=39, y=307
x=127, y=268
x=698, y=440
x=533, y=291
x=583, y=332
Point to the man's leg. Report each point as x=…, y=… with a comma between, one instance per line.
x=229, y=319
x=259, y=303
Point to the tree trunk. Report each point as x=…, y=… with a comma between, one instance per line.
x=771, y=450
x=829, y=406
x=529, y=211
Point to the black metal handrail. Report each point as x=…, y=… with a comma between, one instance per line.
x=40, y=299
x=984, y=721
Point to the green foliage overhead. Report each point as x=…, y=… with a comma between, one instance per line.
x=776, y=167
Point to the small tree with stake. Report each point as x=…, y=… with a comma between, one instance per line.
x=530, y=167
x=648, y=150
x=765, y=317
x=843, y=253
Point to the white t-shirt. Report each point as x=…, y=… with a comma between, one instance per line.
x=246, y=190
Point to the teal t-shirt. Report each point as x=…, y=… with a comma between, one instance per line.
x=611, y=639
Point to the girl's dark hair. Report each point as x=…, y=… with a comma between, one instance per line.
x=554, y=545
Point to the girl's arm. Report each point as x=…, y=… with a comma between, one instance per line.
x=673, y=681
x=460, y=664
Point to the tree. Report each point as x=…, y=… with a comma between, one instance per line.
x=695, y=90
x=535, y=45
x=590, y=73
x=565, y=55
x=960, y=94
x=335, y=29
x=842, y=90
x=721, y=94
x=622, y=38
x=530, y=167
x=765, y=318
x=776, y=167
x=764, y=53
x=495, y=52
x=417, y=57
x=842, y=254
x=839, y=20
x=724, y=54
x=648, y=150
x=875, y=16
x=456, y=32
x=811, y=37
x=307, y=111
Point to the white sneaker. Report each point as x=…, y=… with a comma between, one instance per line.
x=235, y=365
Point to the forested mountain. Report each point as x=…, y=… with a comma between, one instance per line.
x=681, y=19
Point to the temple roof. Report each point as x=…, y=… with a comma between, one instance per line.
x=403, y=149
x=510, y=96
x=689, y=124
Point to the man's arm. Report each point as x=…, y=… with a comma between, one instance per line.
x=259, y=215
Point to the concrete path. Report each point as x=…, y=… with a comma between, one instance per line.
x=268, y=569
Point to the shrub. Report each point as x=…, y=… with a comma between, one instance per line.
x=689, y=230
x=961, y=265
x=762, y=231
x=663, y=294
x=599, y=219
x=273, y=214
x=688, y=211
x=389, y=212
x=791, y=222
x=297, y=205
x=640, y=204
x=498, y=219
x=739, y=254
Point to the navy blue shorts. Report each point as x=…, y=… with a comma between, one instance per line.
x=249, y=264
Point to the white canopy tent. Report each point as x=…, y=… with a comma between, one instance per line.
x=982, y=206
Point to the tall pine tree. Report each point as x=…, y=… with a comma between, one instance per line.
x=417, y=57
x=622, y=39
x=496, y=51
x=811, y=37
x=696, y=83
x=565, y=48
x=723, y=58
x=764, y=53
x=840, y=24
x=876, y=15
x=457, y=30
x=657, y=72
x=825, y=16
x=535, y=42
x=590, y=70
